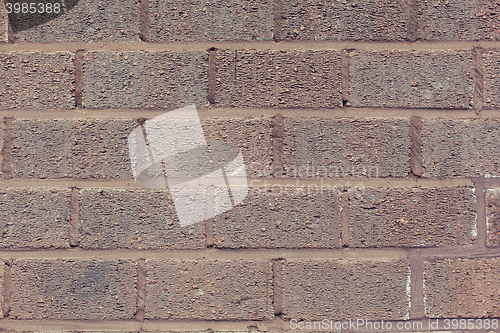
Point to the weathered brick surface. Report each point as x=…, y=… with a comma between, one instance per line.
x=163, y=79
x=90, y=21
x=412, y=217
x=463, y=288
x=4, y=25
x=2, y=137
x=2, y=288
x=34, y=218
x=260, y=78
x=138, y=219
x=493, y=217
x=281, y=218
x=209, y=290
x=411, y=79
x=347, y=147
x=37, y=80
x=93, y=148
x=338, y=289
x=381, y=20
x=72, y=289
x=460, y=148
x=491, y=60
x=203, y=20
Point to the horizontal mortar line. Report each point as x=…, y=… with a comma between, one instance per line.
x=211, y=254
x=17, y=183
x=455, y=252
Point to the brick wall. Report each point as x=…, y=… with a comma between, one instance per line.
x=370, y=131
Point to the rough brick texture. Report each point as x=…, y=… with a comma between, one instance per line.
x=203, y=20
x=4, y=25
x=72, y=289
x=493, y=217
x=381, y=20
x=491, y=61
x=209, y=290
x=338, y=289
x=71, y=148
x=347, y=147
x=411, y=79
x=460, y=148
x=163, y=79
x=413, y=217
x=258, y=78
x=37, y=80
x=281, y=218
x=34, y=219
x=138, y=219
x=463, y=288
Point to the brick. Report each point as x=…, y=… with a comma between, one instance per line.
x=340, y=289
x=282, y=218
x=37, y=80
x=208, y=290
x=493, y=217
x=413, y=217
x=4, y=25
x=2, y=289
x=462, y=288
x=34, y=219
x=270, y=78
x=491, y=61
x=89, y=21
x=460, y=148
x=2, y=138
x=134, y=219
x=93, y=148
x=164, y=79
x=411, y=79
x=382, y=20
x=347, y=147
x=72, y=289
x=203, y=20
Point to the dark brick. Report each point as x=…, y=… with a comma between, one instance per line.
x=493, y=217
x=382, y=20
x=413, y=217
x=460, y=148
x=94, y=148
x=90, y=21
x=282, y=218
x=462, y=288
x=411, y=79
x=209, y=290
x=37, y=80
x=72, y=289
x=491, y=60
x=347, y=147
x=340, y=289
x=164, y=79
x=34, y=218
x=256, y=78
x=203, y=20
x=137, y=219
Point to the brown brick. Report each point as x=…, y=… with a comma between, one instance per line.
x=464, y=288
x=37, y=80
x=72, y=289
x=343, y=20
x=89, y=21
x=340, y=289
x=138, y=219
x=493, y=217
x=491, y=61
x=94, y=148
x=282, y=218
x=203, y=20
x=208, y=290
x=4, y=25
x=412, y=217
x=2, y=289
x=460, y=148
x=163, y=79
x=347, y=147
x=411, y=79
x=257, y=78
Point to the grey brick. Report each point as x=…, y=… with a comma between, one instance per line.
x=491, y=61
x=203, y=20
x=37, y=80
x=411, y=79
x=163, y=79
x=413, y=217
x=208, y=290
x=493, y=217
x=4, y=25
x=72, y=289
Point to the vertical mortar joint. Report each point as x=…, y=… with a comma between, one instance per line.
x=278, y=19
x=212, y=76
x=79, y=78
x=277, y=266
x=8, y=143
x=144, y=20
x=478, y=79
x=416, y=165
x=141, y=290
x=412, y=21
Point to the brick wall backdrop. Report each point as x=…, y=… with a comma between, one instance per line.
x=398, y=100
